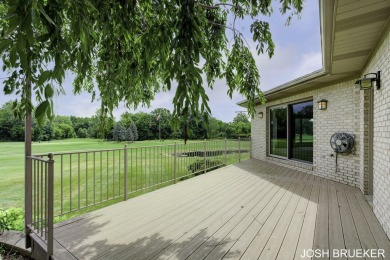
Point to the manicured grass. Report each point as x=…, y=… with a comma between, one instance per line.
x=88, y=178
x=12, y=162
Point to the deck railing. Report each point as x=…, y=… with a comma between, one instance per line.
x=41, y=216
x=88, y=178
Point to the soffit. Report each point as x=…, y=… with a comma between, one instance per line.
x=358, y=26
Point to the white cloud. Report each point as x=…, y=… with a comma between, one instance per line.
x=310, y=62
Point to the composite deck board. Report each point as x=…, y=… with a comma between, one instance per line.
x=321, y=235
x=120, y=235
x=199, y=240
x=204, y=250
x=168, y=252
x=250, y=210
x=290, y=241
x=306, y=238
x=376, y=229
x=239, y=247
x=336, y=236
x=156, y=206
x=234, y=235
x=189, y=221
x=351, y=236
x=275, y=241
x=366, y=238
x=220, y=228
x=261, y=237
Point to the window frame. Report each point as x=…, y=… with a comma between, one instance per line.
x=288, y=106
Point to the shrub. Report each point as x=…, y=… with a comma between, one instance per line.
x=11, y=219
x=198, y=166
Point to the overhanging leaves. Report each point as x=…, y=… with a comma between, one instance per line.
x=132, y=49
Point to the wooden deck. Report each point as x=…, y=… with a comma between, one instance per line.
x=251, y=210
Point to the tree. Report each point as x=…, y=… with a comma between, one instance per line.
x=143, y=121
x=101, y=126
x=134, y=131
x=241, y=117
x=119, y=132
x=67, y=131
x=241, y=126
x=82, y=133
x=80, y=122
x=216, y=128
x=126, y=119
x=48, y=131
x=11, y=127
x=62, y=120
x=161, y=118
x=129, y=135
x=132, y=49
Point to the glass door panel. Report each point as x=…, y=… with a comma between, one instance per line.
x=301, y=131
x=278, y=131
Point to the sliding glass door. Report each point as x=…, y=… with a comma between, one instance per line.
x=301, y=131
x=291, y=131
x=278, y=131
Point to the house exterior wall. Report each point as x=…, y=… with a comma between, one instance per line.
x=342, y=115
x=381, y=157
x=348, y=111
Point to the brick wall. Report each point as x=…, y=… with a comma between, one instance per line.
x=381, y=196
x=342, y=115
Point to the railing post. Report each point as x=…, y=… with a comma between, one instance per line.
x=125, y=173
x=174, y=162
x=204, y=157
x=28, y=200
x=239, y=149
x=225, y=152
x=50, y=206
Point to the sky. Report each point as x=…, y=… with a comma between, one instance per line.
x=297, y=53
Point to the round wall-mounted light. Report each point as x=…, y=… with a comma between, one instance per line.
x=260, y=114
x=322, y=104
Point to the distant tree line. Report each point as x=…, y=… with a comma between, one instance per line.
x=130, y=127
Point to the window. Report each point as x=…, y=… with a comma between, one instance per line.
x=291, y=131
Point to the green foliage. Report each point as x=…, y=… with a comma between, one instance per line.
x=198, y=166
x=143, y=122
x=11, y=219
x=100, y=126
x=161, y=118
x=82, y=133
x=131, y=50
x=134, y=131
x=11, y=127
x=241, y=118
x=119, y=132
x=144, y=126
x=129, y=135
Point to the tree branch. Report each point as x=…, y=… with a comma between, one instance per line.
x=233, y=29
x=216, y=6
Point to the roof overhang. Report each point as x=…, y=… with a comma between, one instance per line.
x=351, y=31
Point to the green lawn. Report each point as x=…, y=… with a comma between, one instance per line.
x=100, y=175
